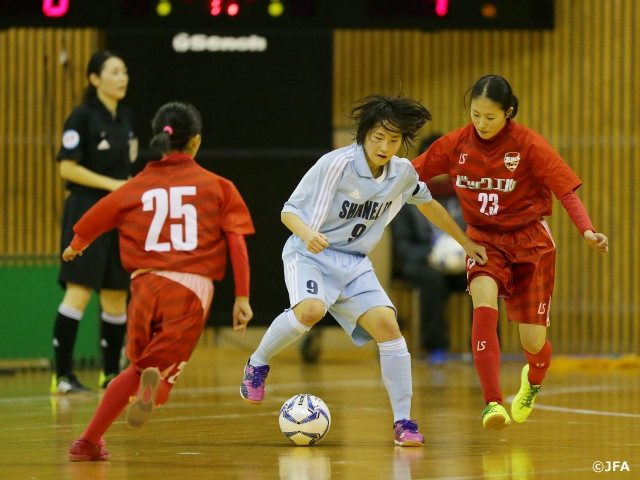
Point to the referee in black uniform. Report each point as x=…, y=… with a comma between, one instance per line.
x=98, y=147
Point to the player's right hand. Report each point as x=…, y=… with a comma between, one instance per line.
x=316, y=241
x=69, y=253
x=597, y=240
x=242, y=314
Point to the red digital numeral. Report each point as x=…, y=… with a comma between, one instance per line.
x=442, y=6
x=55, y=8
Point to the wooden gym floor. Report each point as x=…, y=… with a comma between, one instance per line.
x=587, y=417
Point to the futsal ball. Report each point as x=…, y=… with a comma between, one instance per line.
x=447, y=255
x=304, y=419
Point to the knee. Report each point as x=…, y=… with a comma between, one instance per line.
x=113, y=301
x=389, y=329
x=309, y=312
x=77, y=296
x=381, y=324
x=533, y=345
x=533, y=337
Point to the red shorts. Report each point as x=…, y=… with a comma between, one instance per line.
x=522, y=262
x=165, y=320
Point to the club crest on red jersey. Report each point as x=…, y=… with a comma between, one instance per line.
x=511, y=160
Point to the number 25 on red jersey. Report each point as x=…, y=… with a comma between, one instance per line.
x=170, y=204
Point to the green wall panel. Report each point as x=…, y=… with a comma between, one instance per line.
x=29, y=299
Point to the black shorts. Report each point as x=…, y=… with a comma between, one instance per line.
x=99, y=266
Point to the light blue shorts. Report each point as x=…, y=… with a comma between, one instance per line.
x=345, y=282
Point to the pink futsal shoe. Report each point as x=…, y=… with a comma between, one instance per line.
x=141, y=409
x=83, y=451
x=252, y=386
x=406, y=434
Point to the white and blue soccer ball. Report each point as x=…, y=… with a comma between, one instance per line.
x=447, y=255
x=304, y=419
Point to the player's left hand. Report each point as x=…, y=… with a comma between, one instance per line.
x=597, y=240
x=242, y=315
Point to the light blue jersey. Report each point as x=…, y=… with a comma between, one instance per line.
x=340, y=198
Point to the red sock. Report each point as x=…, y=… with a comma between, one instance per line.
x=116, y=398
x=486, y=352
x=539, y=363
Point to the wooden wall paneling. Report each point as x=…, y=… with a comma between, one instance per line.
x=608, y=161
x=615, y=291
x=630, y=172
x=588, y=111
x=616, y=187
x=37, y=95
x=631, y=166
x=604, y=159
x=31, y=133
x=4, y=149
x=39, y=119
x=582, y=111
x=45, y=163
x=63, y=66
x=432, y=65
x=624, y=206
x=461, y=52
x=50, y=195
x=607, y=149
x=341, y=58
x=415, y=64
x=23, y=106
x=12, y=201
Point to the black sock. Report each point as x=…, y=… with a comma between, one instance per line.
x=65, y=331
x=111, y=340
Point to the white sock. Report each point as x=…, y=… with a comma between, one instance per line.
x=395, y=363
x=114, y=319
x=70, y=312
x=284, y=330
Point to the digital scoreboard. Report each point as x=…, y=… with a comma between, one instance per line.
x=418, y=14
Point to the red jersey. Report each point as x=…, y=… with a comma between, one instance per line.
x=171, y=216
x=503, y=183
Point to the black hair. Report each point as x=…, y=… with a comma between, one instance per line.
x=497, y=89
x=96, y=65
x=173, y=125
x=397, y=114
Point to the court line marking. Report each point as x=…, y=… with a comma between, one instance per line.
x=274, y=388
x=573, y=390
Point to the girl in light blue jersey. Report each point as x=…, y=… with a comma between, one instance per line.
x=337, y=215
